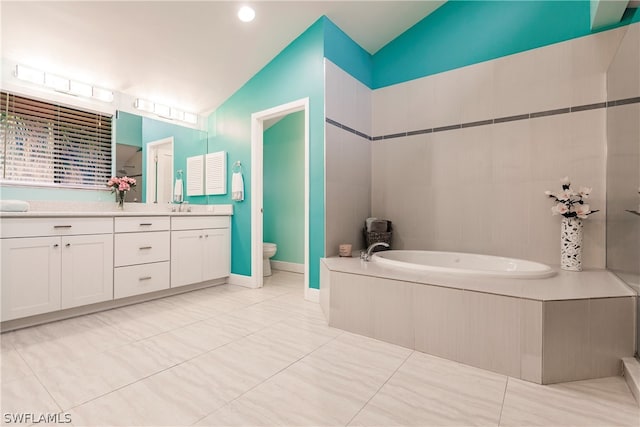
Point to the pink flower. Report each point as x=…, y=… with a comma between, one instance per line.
x=585, y=192
x=124, y=186
x=582, y=210
x=559, y=209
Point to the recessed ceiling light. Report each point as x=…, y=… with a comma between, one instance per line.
x=246, y=14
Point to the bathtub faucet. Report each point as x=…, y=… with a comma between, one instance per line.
x=367, y=255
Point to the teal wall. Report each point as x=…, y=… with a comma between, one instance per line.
x=295, y=73
x=187, y=142
x=340, y=49
x=128, y=129
x=64, y=194
x=283, y=187
x=461, y=33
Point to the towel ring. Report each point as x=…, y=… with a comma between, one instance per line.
x=237, y=167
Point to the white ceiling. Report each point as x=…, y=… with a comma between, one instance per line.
x=192, y=55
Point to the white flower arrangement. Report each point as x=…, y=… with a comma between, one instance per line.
x=570, y=203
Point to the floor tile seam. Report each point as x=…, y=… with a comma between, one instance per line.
x=265, y=380
x=504, y=397
x=35, y=374
x=73, y=360
x=381, y=386
x=124, y=386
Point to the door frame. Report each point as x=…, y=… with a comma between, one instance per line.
x=257, y=150
x=149, y=147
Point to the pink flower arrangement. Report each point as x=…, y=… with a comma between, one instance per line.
x=121, y=183
x=570, y=203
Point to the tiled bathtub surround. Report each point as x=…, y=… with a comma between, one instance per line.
x=564, y=328
x=514, y=127
x=347, y=157
x=607, y=104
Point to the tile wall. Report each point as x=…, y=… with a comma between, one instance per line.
x=623, y=156
x=347, y=158
x=461, y=159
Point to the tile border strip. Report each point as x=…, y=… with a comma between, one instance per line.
x=526, y=116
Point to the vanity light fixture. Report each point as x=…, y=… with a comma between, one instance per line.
x=165, y=111
x=246, y=14
x=30, y=75
x=62, y=84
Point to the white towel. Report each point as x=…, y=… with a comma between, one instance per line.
x=177, y=191
x=237, y=187
x=14, y=206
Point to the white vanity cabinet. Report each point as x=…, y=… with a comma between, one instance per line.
x=200, y=249
x=141, y=255
x=55, y=263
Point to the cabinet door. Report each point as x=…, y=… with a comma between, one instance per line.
x=30, y=276
x=87, y=269
x=186, y=257
x=217, y=259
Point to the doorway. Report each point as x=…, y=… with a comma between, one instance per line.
x=159, y=161
x=257, y=203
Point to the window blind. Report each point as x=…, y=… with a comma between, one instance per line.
x=44, y=143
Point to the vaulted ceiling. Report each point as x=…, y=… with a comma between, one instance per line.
x=192, y=55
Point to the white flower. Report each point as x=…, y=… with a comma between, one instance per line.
x=549, y=193
x=585, y=192
x=559, y=209
x=563, y=195
x=565, y=181
x=582, y=210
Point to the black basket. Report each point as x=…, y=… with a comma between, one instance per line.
x=371, y=237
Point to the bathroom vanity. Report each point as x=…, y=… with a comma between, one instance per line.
x=61, y=264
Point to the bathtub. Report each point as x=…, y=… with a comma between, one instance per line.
x=463, y=264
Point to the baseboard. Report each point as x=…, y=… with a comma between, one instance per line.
x=312, y=294
x=287, y=266
x=241, y=280
x=631, y=367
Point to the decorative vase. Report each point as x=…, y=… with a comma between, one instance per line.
x=571, y=244
x=120, y=195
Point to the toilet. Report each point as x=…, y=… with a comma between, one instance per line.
x=268, y=250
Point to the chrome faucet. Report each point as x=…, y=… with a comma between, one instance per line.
x=367, y=255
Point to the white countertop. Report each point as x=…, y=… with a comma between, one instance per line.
x=44, y=214
x=565, y=285
x=47, y=209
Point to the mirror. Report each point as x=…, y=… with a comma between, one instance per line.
x=129, y=163
x=142, y=140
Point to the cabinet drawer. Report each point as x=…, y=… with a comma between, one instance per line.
x=140, y=279
x=141, y=223
x=199, y=222
x=54, y=226
x=140, y=248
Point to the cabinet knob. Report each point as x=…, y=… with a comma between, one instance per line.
x=206, y=235
x=200, y=236
x=56, y=245
x=68, y=244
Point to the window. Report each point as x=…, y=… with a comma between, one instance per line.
x=48, y=144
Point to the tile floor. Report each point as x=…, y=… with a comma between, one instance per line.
x=230, y=356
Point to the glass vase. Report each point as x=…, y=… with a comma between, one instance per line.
x=571, y=244
x=120, y=195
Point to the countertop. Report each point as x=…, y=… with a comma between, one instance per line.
x=565, y=285
x=102, y=209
